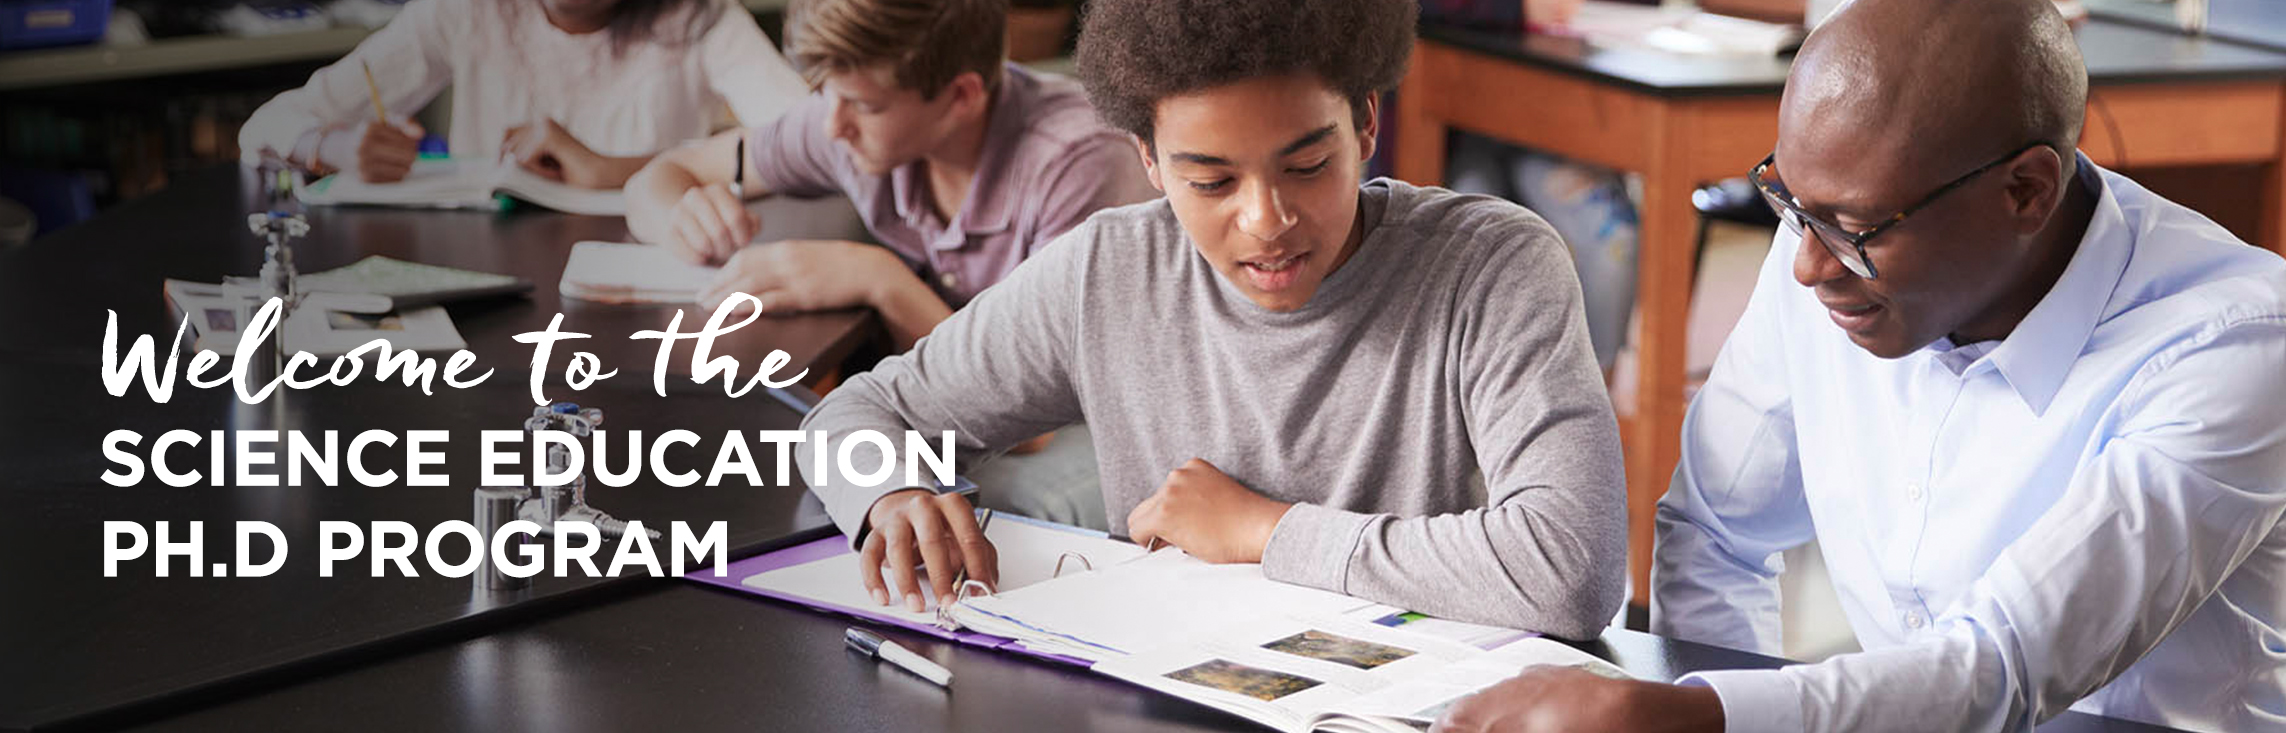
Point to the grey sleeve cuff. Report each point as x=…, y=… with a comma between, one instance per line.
x=847, y=501
x=849, y=508
x=1312, y=546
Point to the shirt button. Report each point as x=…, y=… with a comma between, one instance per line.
x=950, y=280
x=1914, y=620
x=1913, y=492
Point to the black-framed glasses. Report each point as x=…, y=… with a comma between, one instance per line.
x=1846, y=245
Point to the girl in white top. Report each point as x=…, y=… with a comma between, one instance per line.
x=581, y=91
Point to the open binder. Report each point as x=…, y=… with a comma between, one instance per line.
x=822, y=575
x=1285, y=656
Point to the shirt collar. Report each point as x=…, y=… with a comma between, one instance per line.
x=989, y=206
x=2039, y=352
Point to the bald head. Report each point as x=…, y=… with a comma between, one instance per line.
x=1960, y=115
x=1942, y=84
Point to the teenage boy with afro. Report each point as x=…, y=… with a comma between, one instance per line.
x=1378, y=389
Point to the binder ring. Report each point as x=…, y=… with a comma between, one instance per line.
x=1070, y=556
x=968, y=589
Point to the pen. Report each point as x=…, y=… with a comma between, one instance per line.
x=1153, y=547
x=379, y=114
x=738, y=178
x=874, y=646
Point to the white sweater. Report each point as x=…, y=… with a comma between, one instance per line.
x=507, y=65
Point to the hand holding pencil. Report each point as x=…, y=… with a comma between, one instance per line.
x=386, y=149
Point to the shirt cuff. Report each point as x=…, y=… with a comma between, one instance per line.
x=850, y=503
x=1754, y=700
x=308, y=151
x=853, y=519
x=1312, y=545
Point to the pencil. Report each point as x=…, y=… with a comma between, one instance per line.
x=379, y=114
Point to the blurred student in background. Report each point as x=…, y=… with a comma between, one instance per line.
x=1589, y=205
x=962, y=165
x=580, y=91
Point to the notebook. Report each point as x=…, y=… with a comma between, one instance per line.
x=326, y=324
x=463, y=183
x=612, y=272
x=412, y=284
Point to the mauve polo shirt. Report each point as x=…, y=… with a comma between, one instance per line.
x=1048, y=162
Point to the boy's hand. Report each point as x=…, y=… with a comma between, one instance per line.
x=710, y=225
x=1208, y=514
x=936, y=532
x=806, y=275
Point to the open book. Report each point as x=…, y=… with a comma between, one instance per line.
x=1299, y=673
x=463, y=183
x=1289, y=657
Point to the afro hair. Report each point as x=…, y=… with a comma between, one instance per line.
x=1133, y=53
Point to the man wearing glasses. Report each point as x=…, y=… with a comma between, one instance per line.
x=2034, y=415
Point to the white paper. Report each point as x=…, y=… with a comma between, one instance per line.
x=1680, y=30
x=566, y=198
x=834, y=581
x=1028, y=551
x=615, y=272
x=432, y=184
x=462, y=183
x=325, y=324
x=1424, y=698
x=1340, y=661
x=1164, y=596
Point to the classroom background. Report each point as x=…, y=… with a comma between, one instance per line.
x=106, y=103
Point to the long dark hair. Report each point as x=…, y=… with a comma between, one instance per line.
x=669, y=22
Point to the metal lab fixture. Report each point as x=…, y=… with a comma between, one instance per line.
x=496, y=506
x=279, y=228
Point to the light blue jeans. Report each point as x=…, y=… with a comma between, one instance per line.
x=1058, y=484
x=1588, y=206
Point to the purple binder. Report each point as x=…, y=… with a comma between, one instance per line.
x=838, y=545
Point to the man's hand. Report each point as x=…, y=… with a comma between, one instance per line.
x=1207, y=514
x=806, y=275
x=936, y=532
x=385, y=152
x=547, y=149
x=1572, y=699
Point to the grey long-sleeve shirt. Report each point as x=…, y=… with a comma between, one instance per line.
x=1434, y=411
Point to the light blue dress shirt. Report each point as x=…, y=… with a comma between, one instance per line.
x=2085, y=513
